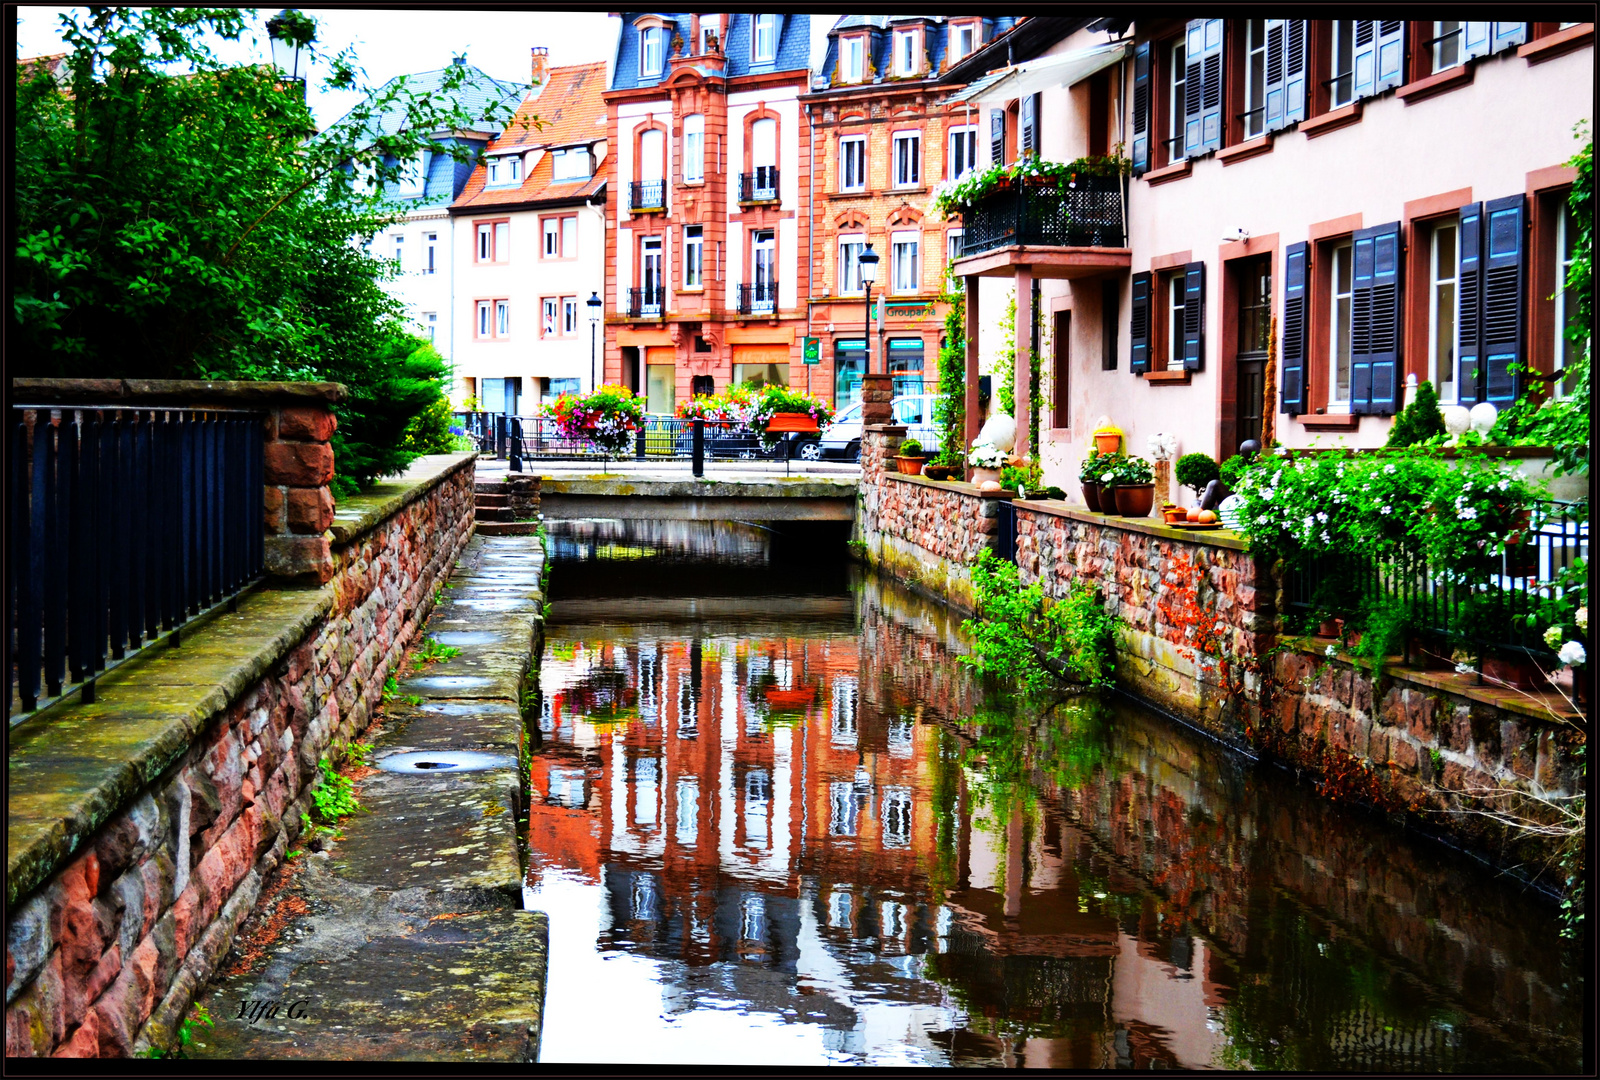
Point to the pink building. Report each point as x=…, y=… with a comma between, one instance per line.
x=1391, y=194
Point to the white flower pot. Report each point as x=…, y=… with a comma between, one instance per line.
x=980, y=475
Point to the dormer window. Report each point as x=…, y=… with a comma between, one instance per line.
x=571, y=164
x=504, y=170
x=963, y=40
x=413, y=176
x=853, y=57
x=905, y=52
x=710, y=33
x=652, y=50
x=764, y=40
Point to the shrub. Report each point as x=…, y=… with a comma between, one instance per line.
x=1231, y=470
x=1015, y=631
x=1419, y=421
x=911, y=448
x=1195, y=471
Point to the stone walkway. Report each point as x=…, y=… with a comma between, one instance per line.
x=405, y=939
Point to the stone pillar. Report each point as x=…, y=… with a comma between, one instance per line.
x=877, y=392
x=1024, y=363
x=297, y=499
x=974, y=418
x=523, y=495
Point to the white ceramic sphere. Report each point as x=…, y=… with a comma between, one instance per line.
x=1456, y=419
x=1483, y=416
x=999, y=431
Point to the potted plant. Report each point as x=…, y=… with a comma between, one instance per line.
x=1089, y=478
x=910, y=458
x=942, y=467
x=1172, y=512
x=799, y=412
x=607, y=417
x=1136, y=487
x=986, y=461
x=1195, y=471
x=1107, y=437
x=1109, y=464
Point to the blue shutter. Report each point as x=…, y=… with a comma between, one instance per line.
x=997, y=136
x=1469, y=291
x=1028, y=135
x=1504, y=283
x=1286, y=73
x=1194, y=48
x=1364, y=61
x=1194, y=316
x=1508, y=34
x=1391, y=47
x=1139, y=325
x=1375, y=320
x=1475, y=39
x=1211, y=100
x=1141, y=108
x=1293, y=338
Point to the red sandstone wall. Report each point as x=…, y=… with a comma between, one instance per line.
x=110, y=951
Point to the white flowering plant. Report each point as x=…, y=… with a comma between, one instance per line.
x=987, y=456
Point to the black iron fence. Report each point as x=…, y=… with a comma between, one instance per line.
x=1085, y=213
x=646, y=302
x=123, y=524
x=662, y=440
x=759, y=186
x=647, y=195
x=760, y=298
x=1444, y=614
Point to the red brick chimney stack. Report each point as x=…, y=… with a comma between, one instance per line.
x=541, y=64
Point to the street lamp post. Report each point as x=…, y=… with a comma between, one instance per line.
x=868, y=261
x=594, y=304
x=290, y=32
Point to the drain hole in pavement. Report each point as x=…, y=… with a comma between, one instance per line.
x=440, y=761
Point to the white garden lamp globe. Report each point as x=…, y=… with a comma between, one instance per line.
x=1483, y=417
x=1457, y=420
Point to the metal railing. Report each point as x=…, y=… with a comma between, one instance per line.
x=1086, y=213
x=646, y=302
x=662, y=440
x=124, y=524
x=760, y=298
x=647, y=195
x=1446, y=614
x=759, y=186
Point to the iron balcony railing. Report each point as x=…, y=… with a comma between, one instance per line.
x=760, y=298
x=647, y=195
x=646, y=302
x=124, y=524
x=759, y=186
x=1445, y=614
x=1084, y=213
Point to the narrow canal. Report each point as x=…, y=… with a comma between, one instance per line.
x=776, y=822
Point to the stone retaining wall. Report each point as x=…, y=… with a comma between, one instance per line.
x=926, y=533
x=141, y=827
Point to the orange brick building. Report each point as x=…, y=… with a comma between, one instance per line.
x=881, y=141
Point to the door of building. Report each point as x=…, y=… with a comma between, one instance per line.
x=905, y=364
x=849, y=364
x=661, y=379
x=1250, y=353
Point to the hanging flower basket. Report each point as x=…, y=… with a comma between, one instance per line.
x=607, y=417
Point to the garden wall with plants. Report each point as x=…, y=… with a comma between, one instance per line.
x=926, y=533
x=140, y=827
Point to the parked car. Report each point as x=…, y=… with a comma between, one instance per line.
x=842, y=438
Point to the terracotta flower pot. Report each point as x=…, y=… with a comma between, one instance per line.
x=1135, y=500
x=1521, y=673
x=1091, y=496
x=1108, y=443
x=1174, y=513
x=1328, y=628
x=980, y=475
x=910, y=465
x=938, y=472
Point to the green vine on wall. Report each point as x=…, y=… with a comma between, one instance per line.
x=950, y=410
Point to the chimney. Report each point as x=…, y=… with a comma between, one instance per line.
x=541, y=64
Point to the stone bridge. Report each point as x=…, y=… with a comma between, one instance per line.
x=801, y=498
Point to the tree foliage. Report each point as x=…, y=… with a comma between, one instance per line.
x=180, y=218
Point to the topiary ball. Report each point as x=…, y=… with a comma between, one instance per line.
x=1195, y=471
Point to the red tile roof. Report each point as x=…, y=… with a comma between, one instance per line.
x=566, y=111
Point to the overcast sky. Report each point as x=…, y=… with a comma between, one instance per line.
x=404, y=40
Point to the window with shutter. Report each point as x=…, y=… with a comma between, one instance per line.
x=1139, y=325
x=1030, y=126
x=1469, y=290
x=1508, y=34
x=1285, y=101
x=1202, y=106
x=1141, y=108
x=1295, y=325
x=1504, y=283
x=1375, y=319
x=1194, y=316
x=997, y=136
x=1476, y=39
x=1390, y=38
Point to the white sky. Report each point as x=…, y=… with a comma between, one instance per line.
x=400, y=41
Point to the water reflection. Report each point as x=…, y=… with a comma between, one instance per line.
x=775, y=822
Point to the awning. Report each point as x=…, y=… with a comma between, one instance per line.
x=1045, y=73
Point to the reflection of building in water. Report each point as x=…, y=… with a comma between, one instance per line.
x=718, y=542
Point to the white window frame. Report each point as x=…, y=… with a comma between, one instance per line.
x=502, y=319
x=550, y=229
x=763, y=38
x=861, y=162
x=504, y=170
x=709, y=25
x=952, y=244
x=492, y=319
x=849, y=280
x=1342, y=39
x=762, y=147
x=853, y=59
x=1175, y=298
x=905, y=52
x=549, y=316
x=569, y=316
x=1341, y=255
x=1450, y=53
x=903, y=284
x=694, y=257
x=432, y=241
x=569, y=236
x=652, y=51
x=1255, y=78
x=399, y=250
x=430, y=323
x=1449, y=391
x=1176, y=85
x=965, y=40
x=413, y=176
x=968, y=134
x=694, y=148
x=1564, y=224
x=570, y=164
x=900, y=179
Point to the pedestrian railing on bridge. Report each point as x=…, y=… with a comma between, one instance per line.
x=123, y=525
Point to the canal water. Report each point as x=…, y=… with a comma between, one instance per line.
x=776, y=821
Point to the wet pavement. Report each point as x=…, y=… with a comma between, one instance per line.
x=775, y=821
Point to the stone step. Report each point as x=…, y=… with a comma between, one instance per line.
x=492, y=500
x=507, y=528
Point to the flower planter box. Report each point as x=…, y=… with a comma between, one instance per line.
x=785, y=422
x=980, y=475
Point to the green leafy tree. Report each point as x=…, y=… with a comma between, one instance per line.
x=180, y=218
